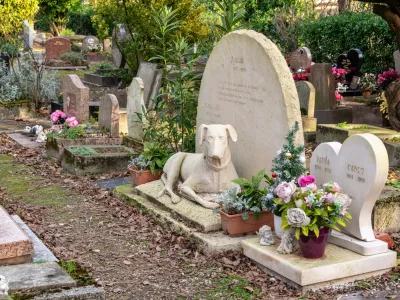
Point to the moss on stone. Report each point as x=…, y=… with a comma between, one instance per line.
x=13, y=103
x=29, y=188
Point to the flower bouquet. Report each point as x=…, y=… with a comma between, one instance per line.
x=367, y=83
x=339, y=74
x=387, y=77
x=312, y=212
x=58, y=117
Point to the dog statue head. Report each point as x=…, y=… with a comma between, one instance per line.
x=215, y=139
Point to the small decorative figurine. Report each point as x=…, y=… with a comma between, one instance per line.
x=3, y=287
x=41, y=137
x=267, y=239
x=288, y=243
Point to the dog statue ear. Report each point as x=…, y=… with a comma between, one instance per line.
x=231, y=132
x=202, y=131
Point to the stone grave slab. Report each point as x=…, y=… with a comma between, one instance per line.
x=57, y=46
x=78, y=293
x=301, y=59
x=360, y=166
x=306, y=92
x=324, y=83
x=55, y=147
x=207, y=242
x=193, y=213
x=246, y=83
x=40, y=252
x=332, y=132
x=25, y=141
x=339, y=266
x=109, y=115
x=76, y=98
x=27, y=35
x=82, y=160
x=135, y=105
x=90, y=40
x=42, y=276
x=15, y=245
x=151, y=77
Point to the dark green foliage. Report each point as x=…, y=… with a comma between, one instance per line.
x=80, y=20
x=156, y=156
x=42, y=22
x=252, y=192
x=75, y=58
x=328, y=37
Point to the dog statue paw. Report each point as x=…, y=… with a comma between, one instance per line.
x=209, y=172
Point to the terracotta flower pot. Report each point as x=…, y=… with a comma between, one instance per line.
x=366, y=94
x=142, y=177
x=234, y=225
x=312, y=246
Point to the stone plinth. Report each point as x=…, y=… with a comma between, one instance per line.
x=339, y=115
x=338, y=266
x=15, y=246
x=206, y=242
x=194, y=214
x=309, y=124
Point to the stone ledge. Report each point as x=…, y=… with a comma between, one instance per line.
x=79, y=293
x=190, y=212
x=208, y=243
x=338, y=266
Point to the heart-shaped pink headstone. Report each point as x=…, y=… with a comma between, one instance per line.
x=360, y=166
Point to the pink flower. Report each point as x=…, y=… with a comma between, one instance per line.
x=338, y=96
x=328, y=198
x=285, y=190
x=72, y=122
x=303, y=181
x=55, y=116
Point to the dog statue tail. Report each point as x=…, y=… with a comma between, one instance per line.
x=173, y=169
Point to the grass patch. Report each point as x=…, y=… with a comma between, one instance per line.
x=28, y=188
x=78, y=273
x=232, y=287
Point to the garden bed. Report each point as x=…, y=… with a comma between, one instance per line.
x=83, y=160
x=55, y=147
x=340, y=132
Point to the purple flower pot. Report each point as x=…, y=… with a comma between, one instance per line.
x=312, y=246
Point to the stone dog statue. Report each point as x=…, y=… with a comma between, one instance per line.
x=209, y=172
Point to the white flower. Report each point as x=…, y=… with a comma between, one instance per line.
x=296, y=217
x=285, y=190
x=299, y=203
x=270, y=196
x=302, y=159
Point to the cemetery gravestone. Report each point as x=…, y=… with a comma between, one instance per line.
x=134, y=106
x=323, y=81
x=28, y=36
x=107, y=45
x=247, y=84
x=360, y=167
x=396, y=56
x=301, y=59
x=76, y=98
x=151, y=77
x=352, y=61
x=57, y=46
x=90, y=40
x=109, y=114
x=306, y=92
x=119, y=35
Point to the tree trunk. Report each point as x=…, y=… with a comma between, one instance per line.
x=343, y=5
x=54, y=29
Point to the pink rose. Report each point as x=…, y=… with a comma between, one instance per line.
x=306, y=180
x=285, y=190
x=72, y=121
x=329, y=198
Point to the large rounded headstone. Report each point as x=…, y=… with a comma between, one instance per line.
x=247, y=84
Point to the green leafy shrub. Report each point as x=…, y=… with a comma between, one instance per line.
x=9, y=90
x=75, y=58
x=67, y=32
x=80, y=20
x=153, y=158
x=328, y=37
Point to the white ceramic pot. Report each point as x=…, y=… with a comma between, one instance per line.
x=277, y=225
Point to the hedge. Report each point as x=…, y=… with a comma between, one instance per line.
x=330, y=36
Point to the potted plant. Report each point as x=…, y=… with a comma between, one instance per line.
x=313, y=213
x=148, y=166
x=93, y=51
x=243, y=207
x=367, y=84
x=287, y=166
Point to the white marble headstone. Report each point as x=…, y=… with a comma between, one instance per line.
x=247, y=84
x=360, y=166
x=135, y=105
